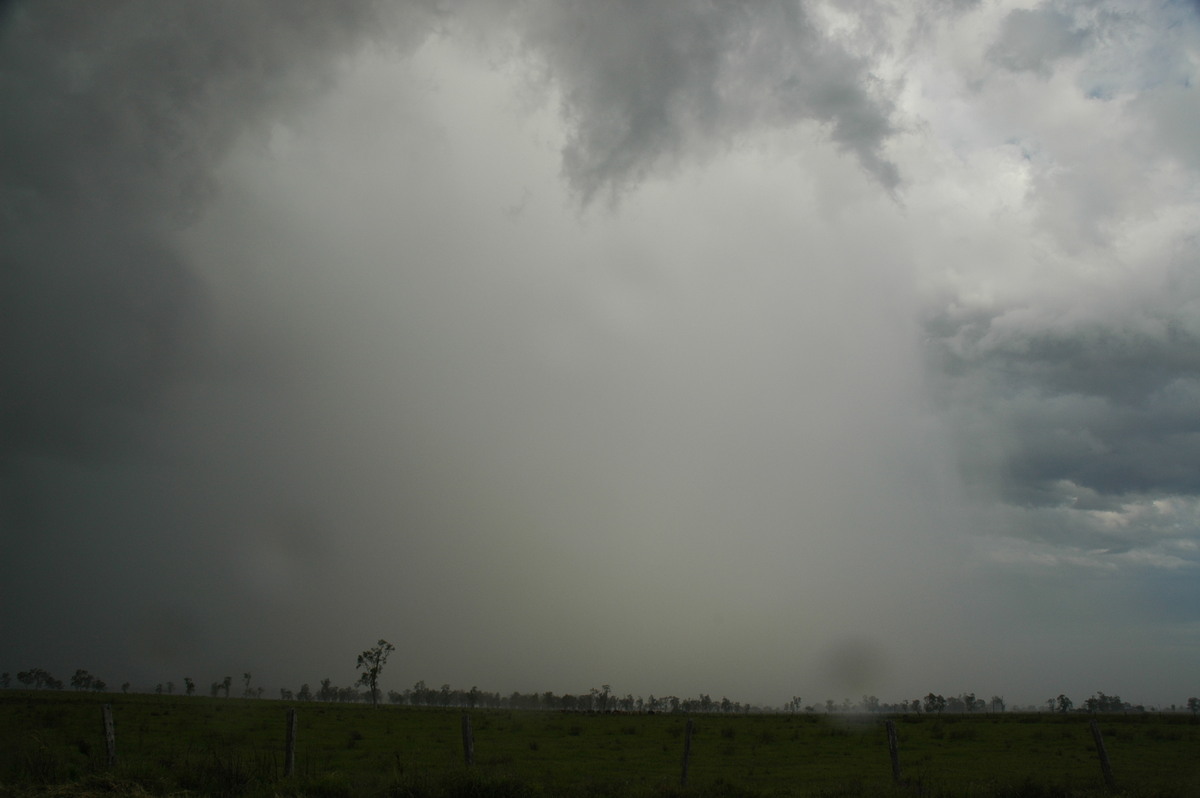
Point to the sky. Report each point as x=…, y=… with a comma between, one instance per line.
x=758, y=350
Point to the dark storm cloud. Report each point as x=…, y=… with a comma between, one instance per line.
x=123, y=111
x=139, y=435
x=115, y=116
x=644, y=85
x=1091, y=409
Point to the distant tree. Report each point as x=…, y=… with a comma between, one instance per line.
x=82, y=680
x=870, y=703
x=915, y=705
x=5, y=680
x=997, y=703
x=170, y=688
x=1063, y=704
x=189, y=687
x=1104, y=703
x=225, y=685
x=1193, y=704
x=371, y=663
x=99, y=686
x=247, y=692
x=935, y=703
x=125, y=687
x=327, y=692
x=305, y=694
x=38, y=679
x=158, y=688
x=286, y=694
x=215, y=689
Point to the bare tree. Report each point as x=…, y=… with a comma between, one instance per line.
x=371, y=662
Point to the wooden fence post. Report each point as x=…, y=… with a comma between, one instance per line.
x=687, y=752
x=110, y=737
x=1105, y=766
x=289, y=746
x=468, y=740
x=894, y=750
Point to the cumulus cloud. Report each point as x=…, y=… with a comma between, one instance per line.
x=1032, y=40
x=1070, y=380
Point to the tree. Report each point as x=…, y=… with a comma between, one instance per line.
x=225, y=683
x=189, y=687
x=305, y=693
x=5, y=680
x=1193, y=704
x=38, y=678
x=997, y=703
x=371, y=663
x=1063, y=704
x=247, y=693
x=82, y=680
x=934, y=703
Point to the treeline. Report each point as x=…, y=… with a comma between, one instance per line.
x=597, y=699
x=594, y=700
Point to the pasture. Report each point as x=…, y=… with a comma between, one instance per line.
x=52, y=744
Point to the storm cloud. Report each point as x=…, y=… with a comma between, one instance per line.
x=685, y=347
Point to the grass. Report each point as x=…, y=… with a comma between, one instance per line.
x=51, y=744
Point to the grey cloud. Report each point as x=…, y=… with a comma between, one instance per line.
x=1032, y=40
x=1085, y=413
x=123, y=112
x=645, y=86
x=115, y=118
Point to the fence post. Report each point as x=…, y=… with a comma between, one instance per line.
x=289, y=746
x=1105, y=766
x=894, y=750
x=110, y=737
x=687, y=752
x=468, y=740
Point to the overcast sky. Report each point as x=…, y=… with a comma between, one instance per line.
x=752, y=349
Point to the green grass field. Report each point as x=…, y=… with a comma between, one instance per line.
x=52, y=744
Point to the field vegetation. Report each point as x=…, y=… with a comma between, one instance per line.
x=52, y=744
